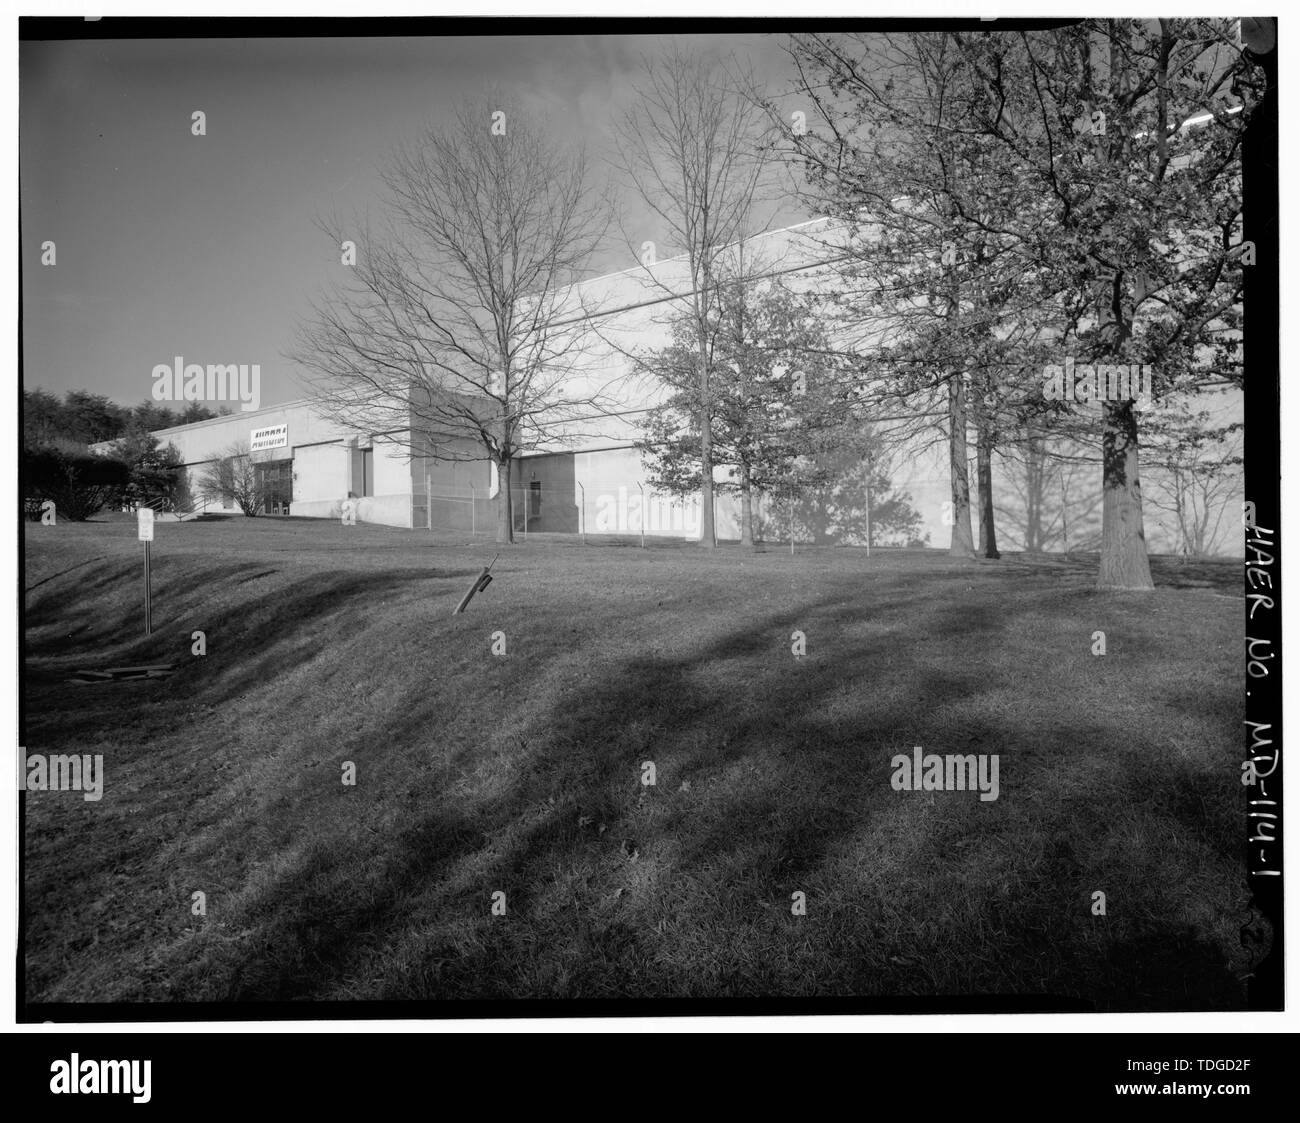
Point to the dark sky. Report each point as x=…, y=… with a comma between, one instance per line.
x=170, y=244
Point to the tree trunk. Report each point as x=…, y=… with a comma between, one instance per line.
x=1124, y=562
x=984, y=476
x=708, y=536
x=505, y=513
x=962, y=544
x=1034, y=500
x=868, y=498
x=1065, y=511
x=746, y=509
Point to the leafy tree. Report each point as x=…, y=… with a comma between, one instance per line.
x=43, y=418
x=774, y=398
x=1130, y=134
x=689, y=147
x=90, y=418
x=150, y=416
x=86, y=418
x=920, y=242
x=79, y=482
x=80, y=418
x=195, y=411
x=157, y=473
x=853, y=501
x=1082, y=185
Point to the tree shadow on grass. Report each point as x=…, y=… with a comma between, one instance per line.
x=780, y=794
x=249, y=640
x=687, y=890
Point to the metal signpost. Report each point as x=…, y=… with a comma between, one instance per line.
x=144, y=531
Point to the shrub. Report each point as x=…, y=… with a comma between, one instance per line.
x=79, y=482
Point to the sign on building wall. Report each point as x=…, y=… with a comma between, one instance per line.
x=273, y=436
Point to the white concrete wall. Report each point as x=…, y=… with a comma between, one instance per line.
x=604, y=462
x=391, y=489
x=630, y=316
x=320, y=480
x=326, y=460
x=208, y=440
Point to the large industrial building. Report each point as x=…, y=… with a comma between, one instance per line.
x=585, y=474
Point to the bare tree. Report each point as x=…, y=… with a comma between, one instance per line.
x=690, y=147
x=1046, y=494
x=1196, y=478
x=461, y=336
x=234, y=476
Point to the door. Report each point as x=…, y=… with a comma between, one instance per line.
x=275, y=485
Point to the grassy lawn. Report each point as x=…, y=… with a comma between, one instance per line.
x=521, y=773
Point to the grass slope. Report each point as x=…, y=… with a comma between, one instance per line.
x=522, y=773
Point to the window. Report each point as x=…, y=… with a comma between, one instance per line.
x=534, y=498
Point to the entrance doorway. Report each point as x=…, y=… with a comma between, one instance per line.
x=275, y=486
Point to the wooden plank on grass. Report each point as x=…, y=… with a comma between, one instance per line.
x=87, y=677
x=165, y=668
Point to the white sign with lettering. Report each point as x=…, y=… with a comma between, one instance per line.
x=273, y=436
x=144, y=528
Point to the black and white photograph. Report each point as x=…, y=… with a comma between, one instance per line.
x=770, y=516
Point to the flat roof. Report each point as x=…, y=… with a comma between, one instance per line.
x=230, y=416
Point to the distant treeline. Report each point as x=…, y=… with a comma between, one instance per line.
x=58, y=466
x=84, y=418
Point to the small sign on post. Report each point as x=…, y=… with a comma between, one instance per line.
x=144, y=531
